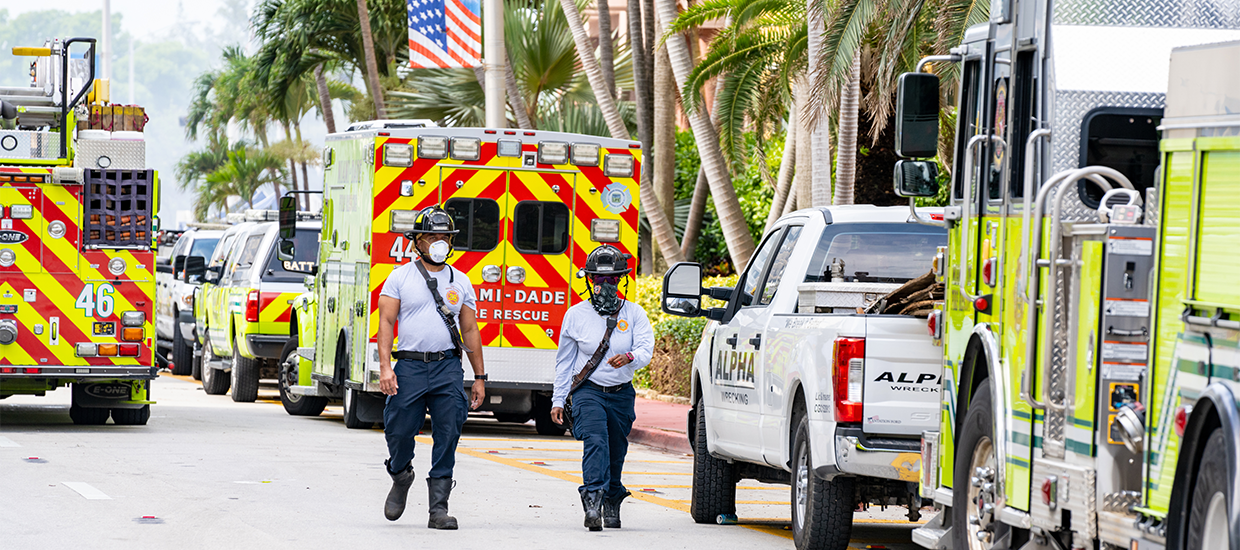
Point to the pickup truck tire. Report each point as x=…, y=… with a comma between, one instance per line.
x=131, y=417
x=351, y=419
x=182, y=354
x=214, y=382
x=1207, y=517
x=85, y=416
x=822, y=511
x=975, y=450
x=244, y=377
x=296, y=405
x=196, y=373
x=714, y=480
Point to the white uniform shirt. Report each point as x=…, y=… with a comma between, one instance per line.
x=580, y=335
x=419, y=326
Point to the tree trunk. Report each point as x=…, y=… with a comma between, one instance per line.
x=305, y=176
x=585, y=51
x=648, y=44
x=784, y=182
x=727, y=207
x=846, y=170
x=641, y=74
x=372, y=69
x=819, y=140
x=805, y=162
x=325, y=99
x=606, y=52
x=665, y=98
x=697, y=210
x=791, y=205
x=517, y=101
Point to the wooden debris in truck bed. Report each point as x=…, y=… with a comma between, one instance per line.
x=915, y=298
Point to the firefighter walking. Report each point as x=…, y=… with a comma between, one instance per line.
x=425, y=298
x=602, y=343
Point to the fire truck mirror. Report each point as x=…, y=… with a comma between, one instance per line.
x=288, y=218
x=195, y=267
x=917, y=115
x=916, y=178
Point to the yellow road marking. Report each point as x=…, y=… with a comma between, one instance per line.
x=626, y=461
x=738, y=488
x=747, y=502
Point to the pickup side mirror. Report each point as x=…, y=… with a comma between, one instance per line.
x=213, y=274
x=916, y=178
x=192, y=267
x=286, y=249
x=682, y=291
x=917, y=115
x=178, y=266
x=288, y=217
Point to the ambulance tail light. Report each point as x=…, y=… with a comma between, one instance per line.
x=585, y=154
x=849, y=377
x=604, y=231
x=618, y=166
x=129, y=350
x=432, y=147
x=108, y=350
x=86, y=349
x=464, y=148
x=22, y=211
x=132, y=334
x=133, y=319
x=402, y=221
x=397, y=154
x=1181, y=419
x=251, y=307
x=552, y=152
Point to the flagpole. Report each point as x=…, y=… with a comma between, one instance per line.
x=494, y=62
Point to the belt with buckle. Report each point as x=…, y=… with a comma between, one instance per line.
x=610, y=389
x=426, y=356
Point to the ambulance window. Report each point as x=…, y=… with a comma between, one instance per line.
x=241, y=269
x=478, y=223
x=541, y=227
x=966, y=125
x=1121, y=138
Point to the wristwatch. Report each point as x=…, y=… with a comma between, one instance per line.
x=629, y=355
x=480, y=377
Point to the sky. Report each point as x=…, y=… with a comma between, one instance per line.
x=155, y=17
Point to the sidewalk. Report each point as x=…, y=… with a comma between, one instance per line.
x=661, y=425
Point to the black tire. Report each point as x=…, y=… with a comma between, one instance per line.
x=351, y=419
x=244, y=376
x=822, y=511
x=85, y=416
x=296, y=405
x=196, y=373
x=214, y=381
x=976, y=445
x=543, y=423
x=1208, y=513
x=182, y=353
x=131, y=417
x=714, y=480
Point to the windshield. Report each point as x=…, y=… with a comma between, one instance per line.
x=203, y=247
x=305, y=255
x=876, y=253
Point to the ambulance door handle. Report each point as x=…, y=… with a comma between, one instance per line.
x=731, y=340
x=756, y=342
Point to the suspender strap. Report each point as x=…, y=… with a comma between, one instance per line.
x=446, y=314
x=592, y=365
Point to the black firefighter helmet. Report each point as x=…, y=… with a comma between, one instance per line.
x=606, y=260
x=432, y=219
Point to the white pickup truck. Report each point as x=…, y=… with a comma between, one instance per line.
x=792, y=384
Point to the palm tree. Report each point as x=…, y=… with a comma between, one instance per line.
x=372, y=68
x=247, y=170
x=727, y=207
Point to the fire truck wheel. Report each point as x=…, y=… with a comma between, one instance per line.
x=543, y=423
x=214, y=381
x=182, y=354
x=196, y=373
x=351, y=419
x=973, y=499
x=294, y=404
x=822, y=511
x=714, y=480
x=1207, y=517
x=244, y=377
x=131, y=417
x=85, y=416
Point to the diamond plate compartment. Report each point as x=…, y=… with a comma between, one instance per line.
x=110, y=154
x=31, y=145
x=1204, y=14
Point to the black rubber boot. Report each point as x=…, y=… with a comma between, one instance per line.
x=439, y=488
x=593, y=503
x=611, y=511
x=395, y=505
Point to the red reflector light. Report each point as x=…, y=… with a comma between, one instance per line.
x=635, y=146
x=251, y=307
x=936, y=217
x=488, y=131
x=8, y=370
x=988, y=272
x=1046, y=491
x=1181, y=419
x=849, y=378
x=129, y=350
x=981, y=304
x=509, y=133
x=385, y=133
x=528, y=133
x=33, y=370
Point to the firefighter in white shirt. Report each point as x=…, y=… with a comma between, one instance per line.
x=601, y=411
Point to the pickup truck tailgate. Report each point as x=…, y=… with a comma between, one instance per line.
x=902, y=370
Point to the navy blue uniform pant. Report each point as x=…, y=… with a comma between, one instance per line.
x=422, y=387
x=602, y=421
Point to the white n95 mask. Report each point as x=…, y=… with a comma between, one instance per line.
x=438, y=252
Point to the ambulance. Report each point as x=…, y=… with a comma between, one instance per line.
x=77, y=241
x=530, y=205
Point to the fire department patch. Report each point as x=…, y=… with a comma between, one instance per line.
x=453, y=297
x=622, y=325
x=616, y=198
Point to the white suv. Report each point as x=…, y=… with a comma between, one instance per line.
x=174, y=312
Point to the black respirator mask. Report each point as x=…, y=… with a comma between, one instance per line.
x=605, y=294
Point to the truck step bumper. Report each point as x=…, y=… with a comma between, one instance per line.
x=852, y=457
x=135, y=372
x=316, y=390
x=933, y=534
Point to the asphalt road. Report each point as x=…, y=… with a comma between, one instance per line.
x=209, y=473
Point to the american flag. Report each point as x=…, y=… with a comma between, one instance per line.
x=445, y=34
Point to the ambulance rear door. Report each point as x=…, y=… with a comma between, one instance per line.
x=539, y=266
x=476, y=197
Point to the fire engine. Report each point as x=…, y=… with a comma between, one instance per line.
x=530, y=205
x=77, y=284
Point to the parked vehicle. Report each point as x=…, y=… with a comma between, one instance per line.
x=214, y=265
x=174, y=314
x=794, y=382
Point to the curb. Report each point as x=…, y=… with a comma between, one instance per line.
x=656, y=396
x=675, y=442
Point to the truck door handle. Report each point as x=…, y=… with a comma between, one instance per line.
x=731, y=340
x=756, y=342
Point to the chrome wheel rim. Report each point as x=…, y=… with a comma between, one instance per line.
x=800, y=488
x=1214, y=534
x=980, y=509
x=290, y=377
